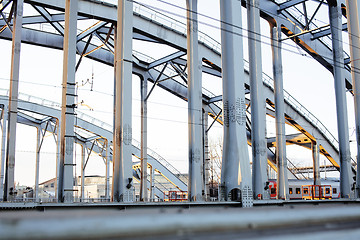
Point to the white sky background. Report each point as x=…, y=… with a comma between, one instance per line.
x=41, y=75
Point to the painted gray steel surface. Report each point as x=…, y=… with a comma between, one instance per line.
x=353, y=14
x=174, y=38
x=281, y=160
x=235, y=170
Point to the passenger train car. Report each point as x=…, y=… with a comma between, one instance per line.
x=305, y=189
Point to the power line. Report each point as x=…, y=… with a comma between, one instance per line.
x=159, y=0
x=235, y=26
x=232, y=25
x=225, y=23
x=214, y=19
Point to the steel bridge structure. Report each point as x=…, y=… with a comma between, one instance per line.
x=248, y=96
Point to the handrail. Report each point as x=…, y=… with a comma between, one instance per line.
x=162, y=160
x=216, y=46
x=97, y=122
x=155, y=180
x=135, y=143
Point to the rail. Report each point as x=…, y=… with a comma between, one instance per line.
x=28, y=98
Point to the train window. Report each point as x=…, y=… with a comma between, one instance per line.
x=273, y=190
x=327, y=190
x=290, y=191
x=306, y=191
x=334, y=190
x=298, y=191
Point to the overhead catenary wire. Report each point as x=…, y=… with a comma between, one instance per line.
x=330, y=59
x=235, y=26
x=151, y=7
x=240, y=34
x=178, y=121
x=110, y=94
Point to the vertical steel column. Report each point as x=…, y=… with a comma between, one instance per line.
x=82, y=172
x=143, y=182
x=58, y=146
x=37, y=163
x=152, y=183
x=258, y=119
x=340, y=93
x=122, y=147
x=282, y=178
x=66, y=177
x=353, y=16
x=194, y=104
x=9, y=186
x=107, y=174
x=235, y=171
x=206, y=165
x=316, y=163
x=3, y=151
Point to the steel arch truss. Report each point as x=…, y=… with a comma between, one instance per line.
x=297, y=20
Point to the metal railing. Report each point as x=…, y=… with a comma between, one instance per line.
x=94, y=121
x=166, y=21
x=160, y=159
x=180, y=27
x=135, y=143
x=304, y=112
x=211, y=43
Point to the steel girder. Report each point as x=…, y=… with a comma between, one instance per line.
x=153, y=31
x=51, y=113
x=309, y=40
x=106, y=57
x=270, y=10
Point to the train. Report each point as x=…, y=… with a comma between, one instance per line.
x=301, y=189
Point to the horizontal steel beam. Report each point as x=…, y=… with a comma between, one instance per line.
x=326, y=32
x=289, y=4
x=90, y=30
x=166, y=59
x=215, y=99
x=49, y=19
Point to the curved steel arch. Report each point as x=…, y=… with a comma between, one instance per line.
x=149, y=30
x=50, y=110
